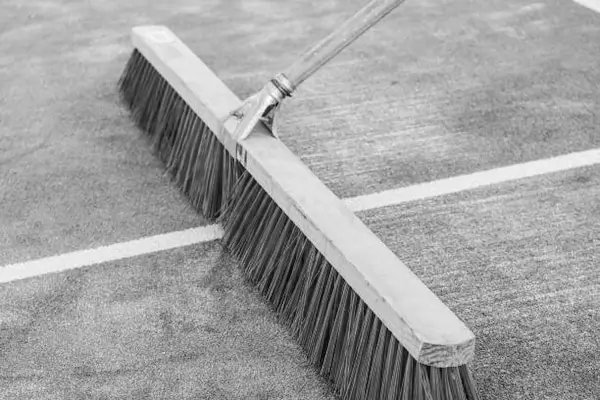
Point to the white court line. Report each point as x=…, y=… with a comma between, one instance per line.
x=472, y=181
x=208, y=233
x=113, y=252
x=591, y=4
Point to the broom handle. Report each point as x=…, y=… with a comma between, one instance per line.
x=338, y=40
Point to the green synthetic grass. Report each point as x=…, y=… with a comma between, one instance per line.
x=519, y=263
x=180, y=324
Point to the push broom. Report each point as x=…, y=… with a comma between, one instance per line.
x=365, y=320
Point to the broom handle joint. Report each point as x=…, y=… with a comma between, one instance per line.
x=338, y=40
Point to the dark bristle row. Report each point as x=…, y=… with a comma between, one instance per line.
x=343, y=338
x=196, y=160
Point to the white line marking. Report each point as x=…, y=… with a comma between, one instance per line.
x=472, y=181
x=591, y=4
x=83, y=258
x=209, y=233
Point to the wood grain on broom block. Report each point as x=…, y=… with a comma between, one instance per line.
x=428, y=329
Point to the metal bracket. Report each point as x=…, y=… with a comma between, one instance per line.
x=268, y=119
x=239, y=112
x=261, y=106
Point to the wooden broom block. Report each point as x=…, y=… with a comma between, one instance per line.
x=422, y=323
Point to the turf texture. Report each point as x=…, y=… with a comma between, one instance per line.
x=437, y=89
x=519, y=263
x=181, y=324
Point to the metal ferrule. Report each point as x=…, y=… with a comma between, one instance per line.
x=283, y=84
x=274, y=92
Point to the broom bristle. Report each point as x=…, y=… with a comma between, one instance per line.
x=346, y=342
x=343, y=338
x=198, y=163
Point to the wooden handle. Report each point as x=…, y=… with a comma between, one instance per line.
x=338, y=40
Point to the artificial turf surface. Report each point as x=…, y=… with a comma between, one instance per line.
x=75, y=173
x=519, y=263
x=437, y=89
x=449, y=87
x=180, y=324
